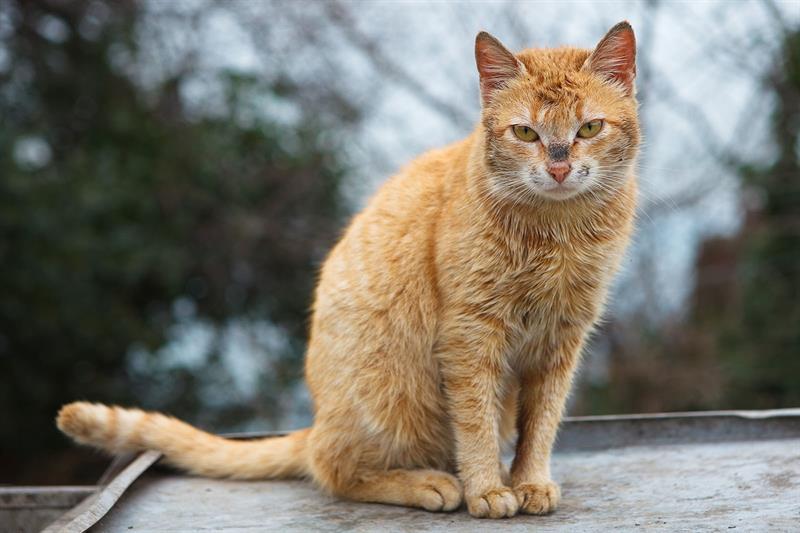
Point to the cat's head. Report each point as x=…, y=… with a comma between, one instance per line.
x=559, y=122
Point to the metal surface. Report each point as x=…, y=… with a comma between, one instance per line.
x=82, y=517
x=31, y=508
x=674, y=472
x=603, y=432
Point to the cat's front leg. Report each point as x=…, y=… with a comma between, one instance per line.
x=544, y=387
x=472, y=375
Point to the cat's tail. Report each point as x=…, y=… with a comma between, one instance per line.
x=118, y=430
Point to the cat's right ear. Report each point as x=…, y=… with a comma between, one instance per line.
x=496, y=65
x=614, y=57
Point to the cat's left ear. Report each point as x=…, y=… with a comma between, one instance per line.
x=614, y=57
x=496, y=65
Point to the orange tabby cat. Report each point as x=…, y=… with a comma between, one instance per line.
x=452, y=313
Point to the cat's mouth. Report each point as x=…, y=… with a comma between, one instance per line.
x=575, y=183
x=560, y=191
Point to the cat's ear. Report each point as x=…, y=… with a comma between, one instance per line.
x=614, y=57
x=496, y=65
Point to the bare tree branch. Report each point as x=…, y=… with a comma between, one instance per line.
x=340, y=15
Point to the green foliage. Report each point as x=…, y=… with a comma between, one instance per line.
x=116, y=202
x=761, y=341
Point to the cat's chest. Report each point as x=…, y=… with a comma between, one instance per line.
x=556, y=283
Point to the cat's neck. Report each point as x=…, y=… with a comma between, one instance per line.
x=559, y=220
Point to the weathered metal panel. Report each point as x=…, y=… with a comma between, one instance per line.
x=749, y=486
x=671, y=472
x=25, y=509
x=692, y=472
x=602, y=432
x=82, y=517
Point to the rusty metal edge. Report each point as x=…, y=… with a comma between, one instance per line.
x=90, y=511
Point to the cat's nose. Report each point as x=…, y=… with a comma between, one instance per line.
x=559, y=170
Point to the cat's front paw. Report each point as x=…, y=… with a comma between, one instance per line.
x=537, y=498
x=499, y=502
x=439, y=492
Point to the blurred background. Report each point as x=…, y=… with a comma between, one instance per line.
x=172, y=174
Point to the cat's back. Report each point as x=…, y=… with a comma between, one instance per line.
x=424, y=185
x=385, y=263
x=377, y=304
x=395, y=230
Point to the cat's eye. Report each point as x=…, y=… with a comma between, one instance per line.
x=524, y=133
x=590, y=129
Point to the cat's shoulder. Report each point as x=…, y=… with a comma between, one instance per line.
x=442, y=160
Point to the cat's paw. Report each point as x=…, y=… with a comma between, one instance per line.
x=440, y=492
x=499, y=502
x=537, y=498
